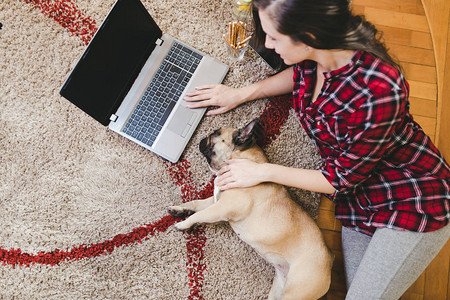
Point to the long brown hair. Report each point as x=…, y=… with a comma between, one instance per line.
x=322, y=24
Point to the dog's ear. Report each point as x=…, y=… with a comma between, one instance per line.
x=246, y=137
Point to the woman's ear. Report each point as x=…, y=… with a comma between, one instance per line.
x=246, y=136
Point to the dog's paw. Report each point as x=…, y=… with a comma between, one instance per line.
x=184, y=227
x=178, y=211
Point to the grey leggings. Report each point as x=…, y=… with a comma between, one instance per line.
x=385, y=265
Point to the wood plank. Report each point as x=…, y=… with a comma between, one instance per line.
x=411, y=296
x=422, y=90
x=396, y=19
x=335, y=295
x=436, y=284
x=326, y=220
x=423, y=107
x=332, y=239
x=405, y=6
x=438, y=15
x=448, y=290
x=428, y=125
x=338, y=273
x=393, y=35
x=419, y=72
x=443, y=142
x=326, y=204
x=421, y=40
x=418, y=287
x=358, y=9
x=337, y=225
x=406, y=37
x=413, y=55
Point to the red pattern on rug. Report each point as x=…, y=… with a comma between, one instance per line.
x=67, y=14
x=16, y=257
x=196, y=240
x=274, y=116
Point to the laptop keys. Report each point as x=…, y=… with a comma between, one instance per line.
x=163, y=92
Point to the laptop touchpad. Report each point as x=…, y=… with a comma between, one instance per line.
x=181, y=120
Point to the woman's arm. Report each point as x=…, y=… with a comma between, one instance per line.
x=245, y=173
x=227, y=98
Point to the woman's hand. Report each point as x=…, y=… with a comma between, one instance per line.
x=238, y=173
x=225, y=97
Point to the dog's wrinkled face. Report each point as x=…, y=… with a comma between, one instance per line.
x=220, y=145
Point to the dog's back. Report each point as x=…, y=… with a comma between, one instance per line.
x=281, y=231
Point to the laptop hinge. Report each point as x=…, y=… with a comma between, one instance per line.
x=159, y=42
x=113, y=118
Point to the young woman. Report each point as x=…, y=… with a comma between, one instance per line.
x=390, y=184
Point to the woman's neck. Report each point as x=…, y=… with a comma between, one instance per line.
x=330, y=60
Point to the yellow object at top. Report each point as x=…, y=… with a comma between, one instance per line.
x=244, y=4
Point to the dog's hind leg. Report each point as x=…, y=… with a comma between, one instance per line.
x=305, y=282
x=188, y=208
x=279, y=280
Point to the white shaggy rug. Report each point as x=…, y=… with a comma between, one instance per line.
x=83, y=210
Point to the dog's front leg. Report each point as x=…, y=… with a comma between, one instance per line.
x=214, y=213
x=188, y=208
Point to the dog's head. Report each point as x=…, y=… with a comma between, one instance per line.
x=226, y=143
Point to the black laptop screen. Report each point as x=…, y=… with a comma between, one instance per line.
x=112, y=60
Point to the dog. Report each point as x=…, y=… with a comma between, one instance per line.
x=265, y=217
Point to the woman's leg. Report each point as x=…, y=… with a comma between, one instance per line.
x=393, y=261
x=354, y=245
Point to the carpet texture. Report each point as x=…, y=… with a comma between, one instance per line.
x=82, y=209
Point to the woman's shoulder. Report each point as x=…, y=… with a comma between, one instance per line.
x=380, y=76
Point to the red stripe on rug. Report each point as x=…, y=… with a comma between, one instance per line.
x=15, y=257
x=274, y=117
x=196, y=240
x=67, y=14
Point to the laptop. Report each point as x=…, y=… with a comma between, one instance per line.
x=133, y=79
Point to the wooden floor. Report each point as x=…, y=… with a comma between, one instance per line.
x=406, y=28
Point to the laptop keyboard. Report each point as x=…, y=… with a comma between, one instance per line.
x=162, y=94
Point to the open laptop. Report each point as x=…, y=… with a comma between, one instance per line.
x=133, y=78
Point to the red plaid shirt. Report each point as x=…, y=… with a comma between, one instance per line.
x=385, y=169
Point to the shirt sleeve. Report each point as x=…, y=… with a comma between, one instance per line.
x=371, y=128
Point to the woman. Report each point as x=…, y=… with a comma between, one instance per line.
x=390, y=184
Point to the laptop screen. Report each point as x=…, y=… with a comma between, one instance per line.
x=112, y=61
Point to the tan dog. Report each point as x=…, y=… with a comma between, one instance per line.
x=265, y=217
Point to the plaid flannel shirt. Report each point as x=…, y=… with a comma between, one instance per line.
x=385, y=169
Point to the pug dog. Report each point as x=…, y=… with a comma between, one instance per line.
x=265, y=217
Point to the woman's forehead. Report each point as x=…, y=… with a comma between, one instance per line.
x=267, y=23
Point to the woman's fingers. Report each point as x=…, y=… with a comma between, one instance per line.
x=225, y=181
x=217, y=111
x=238, y=173
x=199, y=104
x=223, y=97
